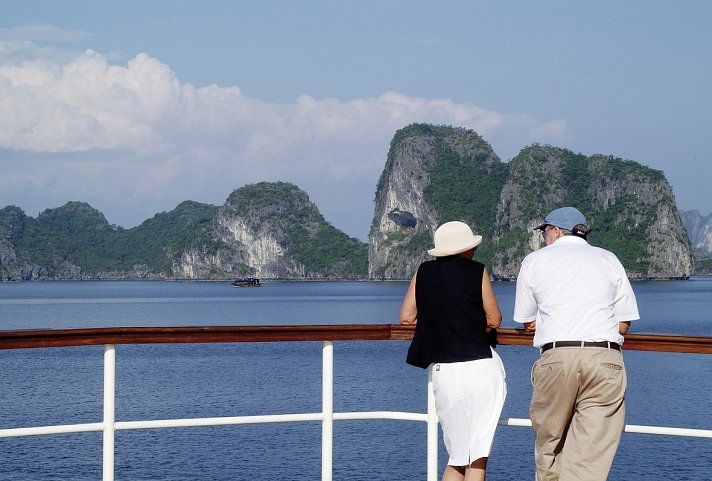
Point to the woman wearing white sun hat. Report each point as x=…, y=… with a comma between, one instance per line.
x=452, y=303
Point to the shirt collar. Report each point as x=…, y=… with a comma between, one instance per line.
x=570, y=239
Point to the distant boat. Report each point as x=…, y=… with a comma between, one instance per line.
x=246, y=282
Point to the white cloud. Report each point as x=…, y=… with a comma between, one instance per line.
x=136, y=132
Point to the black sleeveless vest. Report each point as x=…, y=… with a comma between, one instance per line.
x=451, y=319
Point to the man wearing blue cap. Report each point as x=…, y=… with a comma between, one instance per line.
x=579, y=302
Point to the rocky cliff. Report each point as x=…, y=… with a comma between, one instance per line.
x=12, y=224
x=53, y=245
x=436, y=174
x=273, y=230
x=429, y=171
x=699, y=229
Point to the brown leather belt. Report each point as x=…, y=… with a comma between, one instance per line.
x=606, y=344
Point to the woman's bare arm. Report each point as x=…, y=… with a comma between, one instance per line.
x=409, y=310
x=489, y=301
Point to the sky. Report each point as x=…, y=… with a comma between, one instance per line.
x=135, y=106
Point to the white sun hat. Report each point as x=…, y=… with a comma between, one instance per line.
x=452, y=238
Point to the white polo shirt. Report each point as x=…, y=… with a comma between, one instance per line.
x=574, y=292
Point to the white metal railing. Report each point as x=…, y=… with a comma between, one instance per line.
x=109, y=425
x=327, y=416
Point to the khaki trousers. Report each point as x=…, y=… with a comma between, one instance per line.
x=577, y=412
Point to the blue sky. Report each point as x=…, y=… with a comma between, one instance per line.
x=135, y=106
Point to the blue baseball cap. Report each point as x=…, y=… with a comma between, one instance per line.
x=565, y=218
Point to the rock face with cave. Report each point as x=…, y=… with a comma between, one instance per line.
x=434, y=174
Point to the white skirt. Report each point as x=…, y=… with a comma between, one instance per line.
x=469, y=397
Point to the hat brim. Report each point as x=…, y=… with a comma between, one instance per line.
x=451, y=251
x=541, y=227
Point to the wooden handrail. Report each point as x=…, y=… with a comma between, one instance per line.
x=342, y=332
x=191, y=334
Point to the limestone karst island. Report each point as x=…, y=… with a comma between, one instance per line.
x=432, y=174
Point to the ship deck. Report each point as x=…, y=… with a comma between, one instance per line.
x=327, y=335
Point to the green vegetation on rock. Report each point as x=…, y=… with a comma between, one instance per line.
x=467, y=188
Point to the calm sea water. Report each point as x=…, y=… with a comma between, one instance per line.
x=64, y=385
